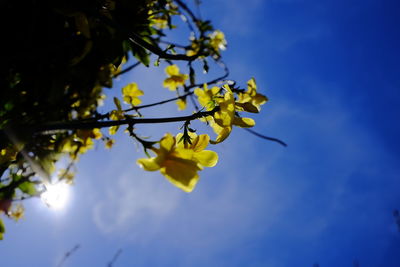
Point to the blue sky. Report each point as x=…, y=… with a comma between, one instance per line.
x=331, y=71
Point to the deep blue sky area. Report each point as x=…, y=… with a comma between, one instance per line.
x=331, y=71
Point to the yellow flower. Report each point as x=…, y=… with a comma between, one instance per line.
x=115, y=70
x=217, y=41
x=159, y=22
x=8, y=154
x=109, y=143
x=207, y=96
x=223, y=120
x=85, y=139
x=66, y=175
x=85, y=145
x=116, y=114
x=113, y=130
x=181, y=104
x=194, y=49
x=224, y=131
x=93, y=133
x=175, y=78
x=131, y=94
x=17, y=212
x=250, y=100
x=225, y=115
x=179, y=163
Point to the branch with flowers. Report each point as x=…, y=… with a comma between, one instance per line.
x=43, y=122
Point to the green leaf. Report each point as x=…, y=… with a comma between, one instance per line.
x=205, y=26
x=2, y=229
x=16, y=177
x=141, y=54
x=191, y=130
x=48, y=162
x=8, y=106
x=157, y=62
x=117, y=103
x=28, y=188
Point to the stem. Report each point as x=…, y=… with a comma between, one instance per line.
x=68, y=254
x=127, y=69
x=75, y=125
x=266, y=137
x=158, y=103
x=188, y=10
x=114, y=259
x=174, y=44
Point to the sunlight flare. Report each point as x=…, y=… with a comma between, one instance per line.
x=56, y=195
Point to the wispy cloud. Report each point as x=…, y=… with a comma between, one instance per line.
x=132, y=203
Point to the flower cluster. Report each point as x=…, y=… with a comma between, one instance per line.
x=210, y=45
x=180, y=161
x=80, y=142
x=228, y=114
x=180, y=158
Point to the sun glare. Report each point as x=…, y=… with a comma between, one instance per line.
x=56, y=195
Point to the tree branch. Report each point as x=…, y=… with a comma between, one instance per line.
x=75, y=125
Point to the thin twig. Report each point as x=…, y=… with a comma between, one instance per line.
x=174, y=44
x=396, y=215
x=188, y=10
x=266, y=137
x=114, y=259
x=127, y=69
x=68, y=254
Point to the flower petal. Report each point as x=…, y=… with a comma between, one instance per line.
x=249, y=107
x=170, y=84
x=113, y=130
x=206, y=158
x=167, y=142
x=222, y=132
x=182, y=173
x=135, y=101
x=172, y=70
x=198, y=92
x=260, y=99
x=215, y=90
x=200, y=142
x=252, y=87
x=148, y=164
x=182, y=153
x=181, y=104
x=244, y=122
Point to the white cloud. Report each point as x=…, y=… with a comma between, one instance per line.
x=132, y=202
x=232, y=15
